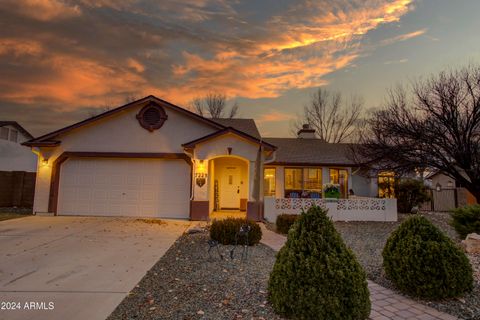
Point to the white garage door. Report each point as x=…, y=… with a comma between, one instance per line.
x=124, y=187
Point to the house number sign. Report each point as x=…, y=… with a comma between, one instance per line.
x=200, y=179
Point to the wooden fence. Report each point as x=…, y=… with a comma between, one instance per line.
x=17, y=189
x=448, y=199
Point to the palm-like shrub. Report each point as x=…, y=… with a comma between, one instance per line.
x=422, y=261
x=315, y=275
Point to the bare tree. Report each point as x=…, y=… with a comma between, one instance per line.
x=214, y=105
x=432, y=125
x=333, y=118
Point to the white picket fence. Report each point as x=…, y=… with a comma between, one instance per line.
x=357, y=209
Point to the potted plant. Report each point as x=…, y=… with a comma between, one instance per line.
x=331, y=191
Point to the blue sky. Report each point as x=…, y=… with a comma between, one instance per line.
x=61, y=60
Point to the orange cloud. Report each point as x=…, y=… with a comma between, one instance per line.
x=275, y=116
x=72, y=81
x=297, y=55
x=404, y=37
x=43, y=10
x=180, y=58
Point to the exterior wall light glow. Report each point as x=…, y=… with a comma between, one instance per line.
x=45, y=161
x=200, y=174
x=201, y=167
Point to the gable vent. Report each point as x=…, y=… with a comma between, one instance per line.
x=152, y=117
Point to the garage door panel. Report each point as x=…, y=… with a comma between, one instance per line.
x=121, y=187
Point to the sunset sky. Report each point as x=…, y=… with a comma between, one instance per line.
x=60, y=60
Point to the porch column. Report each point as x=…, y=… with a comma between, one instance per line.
x=199, y=204
x=279, y=182
x=254, y=207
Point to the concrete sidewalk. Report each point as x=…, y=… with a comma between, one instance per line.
x=85, y=266
x=386, y=304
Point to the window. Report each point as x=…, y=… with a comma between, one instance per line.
x=4, y=133
x=303, y=183
x=386, y=185
x=340, y=177
x=269, y=182
x=312, y=178
x=13, y=135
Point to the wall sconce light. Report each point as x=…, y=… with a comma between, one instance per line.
x=438, y=187
x=200, y=174
x=201, y=167
x=45, y=161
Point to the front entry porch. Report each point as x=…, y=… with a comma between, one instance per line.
x=227, y=175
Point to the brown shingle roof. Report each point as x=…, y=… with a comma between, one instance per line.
x=294, y=151
x=245, y=125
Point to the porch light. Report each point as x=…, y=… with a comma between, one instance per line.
x=201, y=167
x=45, y=161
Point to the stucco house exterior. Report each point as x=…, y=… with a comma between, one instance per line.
x=14, y=156
x=150, y=158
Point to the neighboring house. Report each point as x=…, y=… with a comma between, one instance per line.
x=438, y=180
x=152, y=158
x=14, y=156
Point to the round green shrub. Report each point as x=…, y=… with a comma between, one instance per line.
x=466, y=220
x=423, y=262
x=224, y=231
x=285, y=221
x=315, y=275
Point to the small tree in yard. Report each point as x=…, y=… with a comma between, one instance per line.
x=422, y=261
x=410, y=193
x=433, y=126
x=315, y=275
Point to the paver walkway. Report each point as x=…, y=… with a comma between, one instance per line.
x=386, y=304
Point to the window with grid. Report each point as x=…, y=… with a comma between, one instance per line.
x=303, y=183
x=269, y=182
x=4, y=133
x=13, y=135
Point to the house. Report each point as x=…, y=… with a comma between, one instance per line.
x=152, y=158
x=447, y=193
x=14, y=156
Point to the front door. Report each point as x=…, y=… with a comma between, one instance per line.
x=230, y=188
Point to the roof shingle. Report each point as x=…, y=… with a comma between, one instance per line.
x=311, y=151
x=245, y=125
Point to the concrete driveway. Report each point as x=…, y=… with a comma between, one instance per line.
x=83, y=266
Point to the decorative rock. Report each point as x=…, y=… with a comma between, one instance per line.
x=195, y=229
x=472, y=243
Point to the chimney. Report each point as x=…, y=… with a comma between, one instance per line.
x=306, y=132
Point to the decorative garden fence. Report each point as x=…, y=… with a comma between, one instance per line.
x=357, y=209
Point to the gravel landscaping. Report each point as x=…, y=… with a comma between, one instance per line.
x=186, y=283
x=367, y=240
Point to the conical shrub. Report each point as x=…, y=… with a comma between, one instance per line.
x=422, y=261
x=315, y=275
